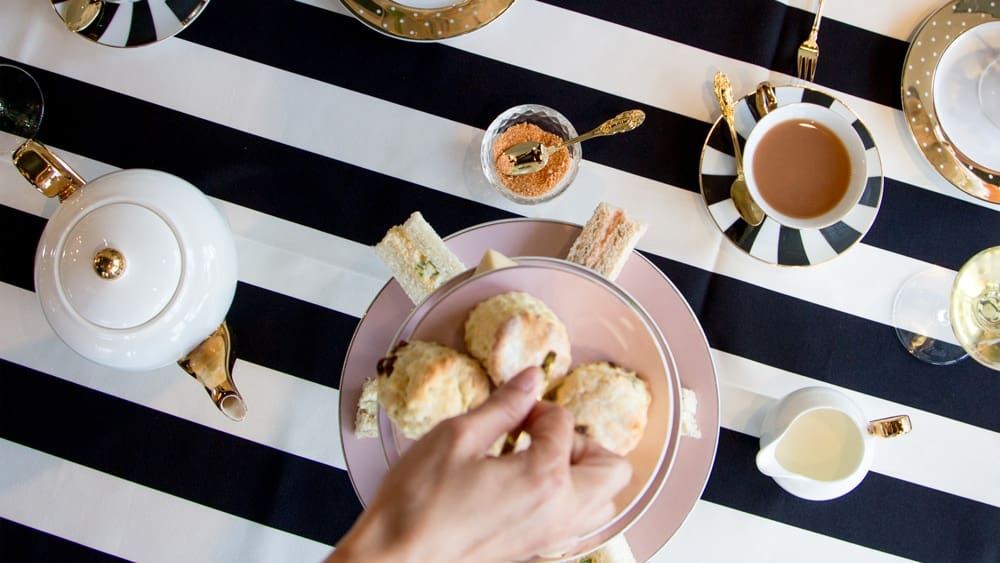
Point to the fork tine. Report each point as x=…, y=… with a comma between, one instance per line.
x=812, y=63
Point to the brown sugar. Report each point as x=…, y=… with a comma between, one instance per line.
x=537, y=183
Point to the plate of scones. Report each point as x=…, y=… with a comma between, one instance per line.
x=440, y=337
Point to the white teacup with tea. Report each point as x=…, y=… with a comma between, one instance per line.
x=805, y=165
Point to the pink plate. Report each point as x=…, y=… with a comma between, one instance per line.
x=686, y=480
x=612, y=327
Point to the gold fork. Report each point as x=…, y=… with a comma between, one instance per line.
x=809, y=50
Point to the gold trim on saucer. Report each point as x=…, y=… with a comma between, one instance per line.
x=930, y=40
x=426, y=24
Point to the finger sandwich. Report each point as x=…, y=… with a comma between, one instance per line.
x=417, y=257
x=606, y=241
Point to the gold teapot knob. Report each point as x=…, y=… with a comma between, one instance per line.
x=109, y=263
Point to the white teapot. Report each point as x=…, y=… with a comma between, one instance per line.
x=136, y=270
x=817, y=444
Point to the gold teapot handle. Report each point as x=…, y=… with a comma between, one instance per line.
x=46, y=171
x=210, y=364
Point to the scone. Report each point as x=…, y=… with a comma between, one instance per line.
x=617, y=550
x=422, y=383
x=366, y=418
x=512, y=331
x=609, y=403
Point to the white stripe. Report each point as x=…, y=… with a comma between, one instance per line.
x=276, y=401
x=738, y=536
x=940, y=453
x=132, y=521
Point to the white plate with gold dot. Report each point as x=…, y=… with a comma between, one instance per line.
x=949, y=94
x=426, y=20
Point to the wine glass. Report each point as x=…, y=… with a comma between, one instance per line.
x=21, y=107
x=942, y=318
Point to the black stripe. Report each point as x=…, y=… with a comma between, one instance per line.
x=142, y=30
x=840, y=236
x=879, y=514
x=831, y=346
x=742, y=234
x=740, y=318
x=873, y=192
x=716, y=188
x=22, y=543
x=767, y=33
x=720, y=139
x=791, y=252
x=218, y=470
x=184, y=9
x=818, y=98
x=21, y=232
x=866, y=137
x=289, y=335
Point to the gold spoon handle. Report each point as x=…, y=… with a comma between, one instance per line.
x=625, y=121
x=724, y=93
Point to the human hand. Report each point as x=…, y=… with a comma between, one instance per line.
x=447, y=500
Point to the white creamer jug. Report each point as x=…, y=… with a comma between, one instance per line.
x=816, y=443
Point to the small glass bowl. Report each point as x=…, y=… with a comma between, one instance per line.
x=545, y=118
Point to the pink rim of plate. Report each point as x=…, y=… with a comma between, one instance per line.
x=680, y=327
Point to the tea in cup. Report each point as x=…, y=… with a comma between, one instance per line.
x=817, y=444
x=805, y=165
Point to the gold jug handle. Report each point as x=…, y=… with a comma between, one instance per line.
x=890, y=427
x=211, y=364
x=46, y=171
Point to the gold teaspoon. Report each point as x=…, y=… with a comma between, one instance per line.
x=532, y=156
x=81, y=13
x=747, y=207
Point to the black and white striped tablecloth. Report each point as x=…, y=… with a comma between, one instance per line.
x=313, y=134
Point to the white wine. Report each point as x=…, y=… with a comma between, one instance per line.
x=975, y=307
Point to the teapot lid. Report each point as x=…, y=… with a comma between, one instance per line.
x=119, y=265
x=135, y=269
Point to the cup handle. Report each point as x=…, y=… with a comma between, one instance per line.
x=46, y=171
x=765, y=101
x=890, y=427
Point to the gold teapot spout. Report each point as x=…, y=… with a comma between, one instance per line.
x=209, y=363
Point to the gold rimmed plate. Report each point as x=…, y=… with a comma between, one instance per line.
x=426, y=20
x=771, y=242
x=947, y=54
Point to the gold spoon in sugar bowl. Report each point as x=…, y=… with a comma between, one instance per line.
x=532, y=156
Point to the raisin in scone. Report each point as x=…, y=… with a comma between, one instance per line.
x=609, y=403
x=423, y=383
x=512, y=331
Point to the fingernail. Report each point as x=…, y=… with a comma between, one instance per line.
x=527, y=380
